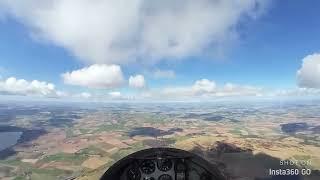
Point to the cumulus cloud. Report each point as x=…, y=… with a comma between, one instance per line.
x=308, y=76
x=203, y=86
x=118, y=96
x=137, y=81
x=208, y=89
x=230, y=89
x=115, y=94
x=21, y=87
x=297, y=92
x=169, y=74
x=95, y=76
x=13, y=86
x=118, y=31
x=85, y=95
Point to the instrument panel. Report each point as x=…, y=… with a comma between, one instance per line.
x=163, y=164
x=164, y=169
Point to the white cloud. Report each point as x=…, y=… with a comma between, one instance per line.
x=137, y=81
x=230, y=89
x=85, y=95
x=35, y=88
x=62, y=94
x=172, y=92
x=15, y=86
x=118, y=96
x=297, y=92
x=169, y=74
x=204, y=86
x=118, y=31
x=308, y=75
x=115, y=94
x=207, y=89
x=96, y=76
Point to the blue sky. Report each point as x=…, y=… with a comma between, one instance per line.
x=265, y=51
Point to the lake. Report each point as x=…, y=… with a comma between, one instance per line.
x=8, y=139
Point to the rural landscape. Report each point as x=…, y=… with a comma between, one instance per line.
x=85, y=83
x=80, y=141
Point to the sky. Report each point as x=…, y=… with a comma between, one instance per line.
x=159, y=50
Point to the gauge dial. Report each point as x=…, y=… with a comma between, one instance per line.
x=133, y=174
x=147, y=166
x=164, y=164
x=148, y=178
x=165, y=177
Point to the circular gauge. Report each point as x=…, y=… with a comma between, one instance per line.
x=148, y=178
x=133, y=174
x=147, y=167
x=164, y=164
x=165, y=177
